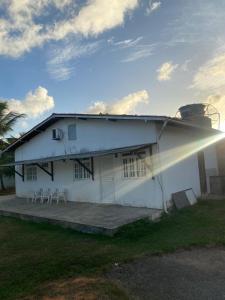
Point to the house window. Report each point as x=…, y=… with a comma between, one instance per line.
x=31, y=173
x=134, y=167
x=80, y=172
x=72, y=132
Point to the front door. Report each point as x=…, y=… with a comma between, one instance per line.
x=107, y=179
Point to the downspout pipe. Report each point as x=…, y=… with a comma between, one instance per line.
x=161, y=183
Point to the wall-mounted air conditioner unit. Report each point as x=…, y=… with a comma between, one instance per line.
x=57, y=134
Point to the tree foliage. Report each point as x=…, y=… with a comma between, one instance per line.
x=8, y=120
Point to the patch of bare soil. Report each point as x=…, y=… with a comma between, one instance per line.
x=81, y=288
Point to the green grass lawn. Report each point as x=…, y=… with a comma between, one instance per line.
x=32, y=255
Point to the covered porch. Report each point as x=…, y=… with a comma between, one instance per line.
x=81, y=216
x=121, y=176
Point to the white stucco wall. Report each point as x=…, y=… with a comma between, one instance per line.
x=183, y=174
x=108, y=186
x=92, y=135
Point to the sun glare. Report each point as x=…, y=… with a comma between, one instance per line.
x=222, y=126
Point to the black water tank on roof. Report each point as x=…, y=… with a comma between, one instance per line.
x=195, y=113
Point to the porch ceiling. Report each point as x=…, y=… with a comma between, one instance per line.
x=79, y=155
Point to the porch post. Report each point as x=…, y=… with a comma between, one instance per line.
x=23, y=172
x=52, y=171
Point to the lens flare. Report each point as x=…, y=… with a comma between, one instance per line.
x=166, y=159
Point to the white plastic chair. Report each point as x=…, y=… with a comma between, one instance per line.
x=63, y=195
x=45, y=196
x=58, y=195
x=37, y=195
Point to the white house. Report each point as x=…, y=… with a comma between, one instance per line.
x=123, y=159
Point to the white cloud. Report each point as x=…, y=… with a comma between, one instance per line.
x=153, y=5
x=101, y=15
x=125, y=43
x=140, y=51
x=209, y=81
x=34, y=104
x=22, y=29
x=185, y=66
x=165, y=71
x=197, y=22
x=135, y=49
x=218, y=101
x=60, y=66
x=211, y=75
x=125, y=105
x=60, y=72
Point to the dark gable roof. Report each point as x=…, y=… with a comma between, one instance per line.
x=56, y=117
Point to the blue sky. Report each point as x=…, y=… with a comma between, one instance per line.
x=130, y=56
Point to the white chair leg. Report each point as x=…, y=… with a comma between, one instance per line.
x=33, y=199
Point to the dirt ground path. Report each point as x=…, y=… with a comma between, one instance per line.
x=195, y=274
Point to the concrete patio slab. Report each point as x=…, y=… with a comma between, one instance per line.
x=82, y=216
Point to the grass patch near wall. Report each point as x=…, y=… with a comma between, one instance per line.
x=33, y=255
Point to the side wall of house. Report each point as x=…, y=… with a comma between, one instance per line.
x=182, y=173
x=211, y=164
x=180, y=161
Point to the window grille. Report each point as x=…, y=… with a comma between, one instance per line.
x=31, y=173
x=134, y=167
x=80, y=172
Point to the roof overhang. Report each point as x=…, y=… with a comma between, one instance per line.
x=134, y=148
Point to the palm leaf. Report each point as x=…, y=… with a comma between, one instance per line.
x=8, y=118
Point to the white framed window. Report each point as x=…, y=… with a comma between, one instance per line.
x=72, y=132
x=134, y=167
x=80, y=172
x=31, y=173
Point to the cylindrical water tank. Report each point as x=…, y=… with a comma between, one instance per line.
x=195, y=113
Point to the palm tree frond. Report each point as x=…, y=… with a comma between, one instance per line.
x=8, y=118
